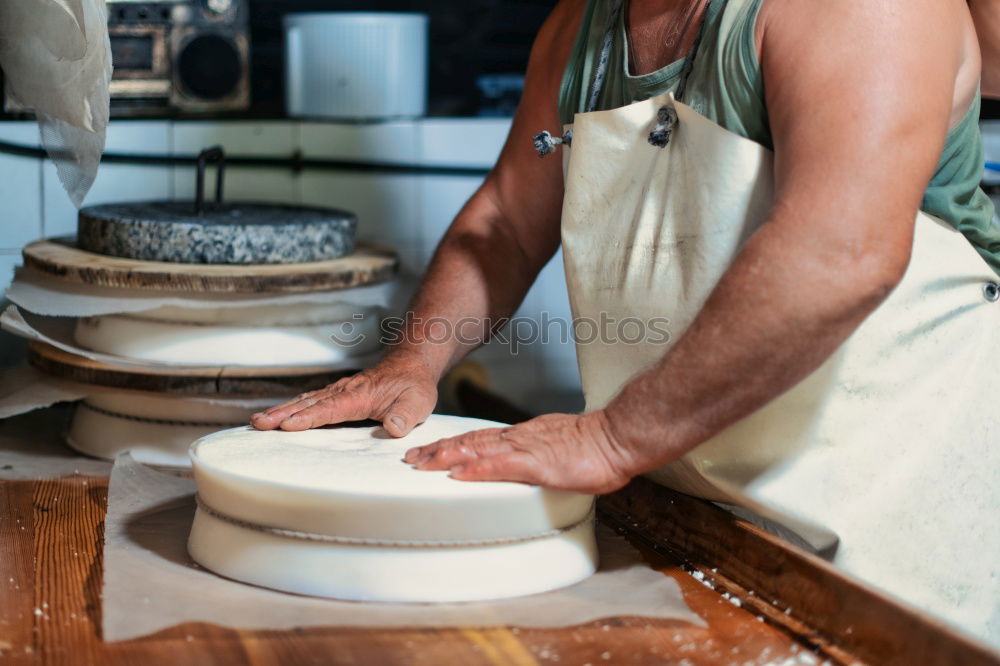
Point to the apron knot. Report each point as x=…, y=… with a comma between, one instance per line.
x=666, y=120
x=545, y=143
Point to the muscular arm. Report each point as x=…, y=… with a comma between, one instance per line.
x=859, y=97
x=480, y=272
x=858, y=124
x=986, y=14
x=509, y=229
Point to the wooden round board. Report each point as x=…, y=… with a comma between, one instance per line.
x=61, y=258
x=226, y=380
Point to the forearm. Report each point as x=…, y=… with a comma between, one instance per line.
x=784, y=307
x=839, y=235
x=476, y=280
x=986, y=14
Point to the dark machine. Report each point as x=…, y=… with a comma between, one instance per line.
x=185, y=55
x=177, y=57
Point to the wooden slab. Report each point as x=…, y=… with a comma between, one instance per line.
x=840, y=617
x=50, y=613
x=225, y=380
x=61, y=258
x=51, y=571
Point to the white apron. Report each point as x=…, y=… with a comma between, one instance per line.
x=892, y=446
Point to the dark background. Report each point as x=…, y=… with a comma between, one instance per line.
x=467, y=39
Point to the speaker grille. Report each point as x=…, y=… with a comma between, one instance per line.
x=209, y=67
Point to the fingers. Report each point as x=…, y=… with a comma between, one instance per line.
x=270, y=418
x=407, y=411
x=516, y=466
x=446, y=453
x=335, y=408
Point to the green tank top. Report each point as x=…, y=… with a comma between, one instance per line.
x=726, y=85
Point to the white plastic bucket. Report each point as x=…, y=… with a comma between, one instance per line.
x=356, y=65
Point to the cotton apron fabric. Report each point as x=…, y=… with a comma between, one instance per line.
x=891, y=447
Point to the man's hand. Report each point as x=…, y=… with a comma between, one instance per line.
x=400, y=392
x=559, y=451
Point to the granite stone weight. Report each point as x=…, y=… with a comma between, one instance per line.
x=228, y=233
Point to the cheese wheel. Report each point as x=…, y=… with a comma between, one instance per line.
x=287, y=335
x=156, y=428
x=336, y=512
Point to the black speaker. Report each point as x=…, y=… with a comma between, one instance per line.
x=210, y=57
x=179, y=56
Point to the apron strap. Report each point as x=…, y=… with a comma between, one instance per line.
x=545, y=142
x=602, y=63
x=689, y=61
x=666, y=117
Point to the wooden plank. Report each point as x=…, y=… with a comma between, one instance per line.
x=64, y=538
x=60, y=258
x=221, y=380
x=68, y=543
x=792, y=588
x=17, y=568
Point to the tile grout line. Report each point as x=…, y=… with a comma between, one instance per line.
x=41, y=197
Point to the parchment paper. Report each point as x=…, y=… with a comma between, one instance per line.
x=150, y=583
x=23, y=389
x=32, y=447
x=46, y=295
x=58, y=332
x=56, y=59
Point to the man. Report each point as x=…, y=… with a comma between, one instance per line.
x=871, y=112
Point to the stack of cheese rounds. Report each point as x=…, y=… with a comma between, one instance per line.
x=166, y=346
x=335, y=512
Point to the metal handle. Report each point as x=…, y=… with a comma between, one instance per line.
x=216, y=154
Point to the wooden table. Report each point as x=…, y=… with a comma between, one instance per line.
x=50, y=602
x=50, y=610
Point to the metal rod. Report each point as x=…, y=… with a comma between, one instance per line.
x=216, y=154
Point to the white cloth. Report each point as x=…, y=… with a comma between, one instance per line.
x=889, y=445
x=56, y=56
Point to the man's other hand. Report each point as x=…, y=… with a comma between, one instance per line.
x=559, y=451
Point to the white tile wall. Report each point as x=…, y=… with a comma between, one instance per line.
x=472, y=142
x=465, y=142
x=115, y=182
x=9, y=260
x=386, y=204
x=408, y=213
x=272, y=139
x=396, y=141
x=20, y=189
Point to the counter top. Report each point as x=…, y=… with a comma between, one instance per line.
x=51, y=569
